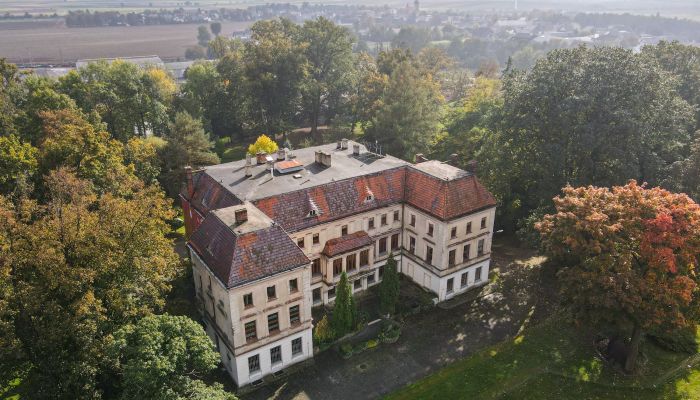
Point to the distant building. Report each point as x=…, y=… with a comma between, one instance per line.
x=270, y=237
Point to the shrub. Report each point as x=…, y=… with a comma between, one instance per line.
x=264, y=144
x=372, y=343
x=323, y=332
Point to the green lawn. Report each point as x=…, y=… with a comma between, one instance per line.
x=553, y=361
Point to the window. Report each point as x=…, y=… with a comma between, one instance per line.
x=453, y=232
x=343, y=230
x=369, y=197
x=251, y=333
x=316, y=295
x=273, y=322
x=428, y=254
x=463, y=279
x=254, y=364
x=480, y=248
x=293, y=285
x=271, y=293
x=396, y=216
x=357, y=284
x=276, y=355
x=331, y=293
x=469, y=228
x=412, y=245
x=364, y=258
x=382, y=245
x=383, y=219
x=450, y=285
x=248, y=300
x=451, y=258
x=413, y=220
x=371, y=223
x=313, y=212
x=483, y=223
x=296, y=346
x=316, y=239
x=381, y=272
x=430, y=229
x=351, y=262
x=300, y=242
x=370, y=279
x=337, y=266
x=316, y=266
x=294, y=315
x=477, y=275
x=466, y=251
x=395, y=241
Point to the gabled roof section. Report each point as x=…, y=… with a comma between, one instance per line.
x=347, y=243
x=446, y=196
x=241, y=253
x=334, y=200
x=208, y=193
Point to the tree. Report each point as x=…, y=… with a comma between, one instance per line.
x=583, y=116
x=344, y=309
x=187, y=145
x=69, y=140
x=164, y=357
x=142, y=155
x=274, y=70
x=328, y=51
x=323, y=332
x=367, y=90
x=389, y=287
x=17, y=159
x=409, y=117
x=195, y=53
x=39, y=95
x=130, y=100
x=215, y=28
x=412, y=38
x=626, y=257
x=262, y=144
x=203, y=36
x=81, y=266
x=10, y=91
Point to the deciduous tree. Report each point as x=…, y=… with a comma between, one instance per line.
x=627, y=257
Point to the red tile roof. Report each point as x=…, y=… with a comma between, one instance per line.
x=239, y=259
x=334, y=200
x=209, y=194
x=446, y=199
x=346, y=243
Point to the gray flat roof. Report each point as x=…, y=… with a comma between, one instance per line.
x=441, y=170
x=262, y=184
x=256, y=219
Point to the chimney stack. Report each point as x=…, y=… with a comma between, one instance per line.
x=344, y=144
x=420, y=158
x=323, y=158
x=248, y=171
x=340, y=144
x=248, y=159
x=241, y=216
x=260, y=157
x=190, y=182
x=454, y=158
x=471, y=167
x=356, y=149
x=281, y=155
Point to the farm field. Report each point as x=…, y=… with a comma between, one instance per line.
x=51, y=42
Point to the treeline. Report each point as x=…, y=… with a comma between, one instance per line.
x=653, y=25
x=86, y=262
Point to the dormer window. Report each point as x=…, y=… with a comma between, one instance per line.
x=369, y=196
x=313, y=209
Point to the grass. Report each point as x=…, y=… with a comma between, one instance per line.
x=554, y=361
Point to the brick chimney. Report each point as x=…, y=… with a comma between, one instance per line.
x=356, y=149
x=241, y=215
x=260, y=157
x=420, y=158
x=281, y=154
x=471, y=167
x=190, y=183
x=454, y=159
x=323, y=158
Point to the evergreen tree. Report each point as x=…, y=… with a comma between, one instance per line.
x=344, y=311
x=389, y=288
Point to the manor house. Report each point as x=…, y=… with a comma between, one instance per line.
x=269, y=237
